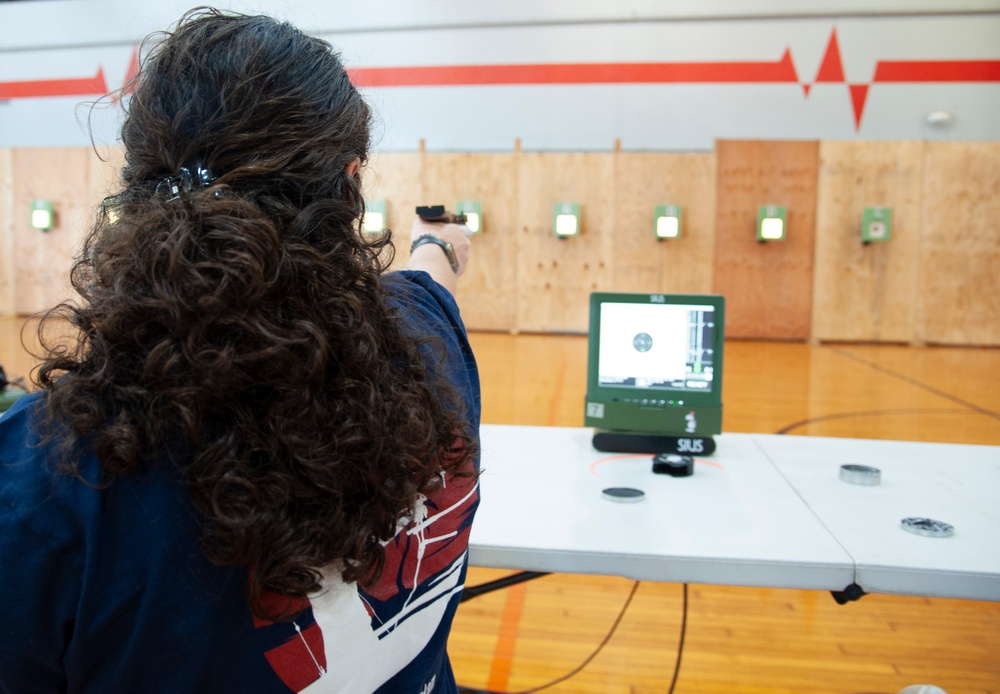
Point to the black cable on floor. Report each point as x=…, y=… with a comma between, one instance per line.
x=680, y=644
x=470, y=592
x=585, y=663
x=600, y=646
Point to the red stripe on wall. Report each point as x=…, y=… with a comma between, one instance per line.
x=83, y=86
x=577, y=73
x=938, y=71
x=781, y=71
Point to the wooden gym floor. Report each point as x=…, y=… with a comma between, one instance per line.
x=739, y=640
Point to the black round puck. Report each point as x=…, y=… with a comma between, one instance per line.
x=623, y=494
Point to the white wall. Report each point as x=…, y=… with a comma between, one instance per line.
x=81, y=37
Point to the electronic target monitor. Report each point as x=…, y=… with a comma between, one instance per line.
x=654, y=371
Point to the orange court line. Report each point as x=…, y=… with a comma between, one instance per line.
x=503, y=654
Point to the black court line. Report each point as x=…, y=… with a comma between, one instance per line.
x=920, y=384
x=872, y=413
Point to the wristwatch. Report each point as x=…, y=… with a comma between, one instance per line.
x=438, y=241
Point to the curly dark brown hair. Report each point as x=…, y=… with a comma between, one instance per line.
x=244, y=328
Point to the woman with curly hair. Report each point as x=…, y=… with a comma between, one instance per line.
x=253, y=468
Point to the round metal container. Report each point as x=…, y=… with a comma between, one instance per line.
x=861, y=474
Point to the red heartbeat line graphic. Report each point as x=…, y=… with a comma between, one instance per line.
x=783, y=71
x=831, y=71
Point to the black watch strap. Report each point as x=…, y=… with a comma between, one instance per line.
x=437, y=241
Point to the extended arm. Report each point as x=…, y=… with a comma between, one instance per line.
x=432, y=259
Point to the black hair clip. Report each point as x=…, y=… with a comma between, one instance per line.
x=195, y=177
x=169, y=189
x=188, y=178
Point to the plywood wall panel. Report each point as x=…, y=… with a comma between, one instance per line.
x=7, y=278
x=960, y=261
x=556, y=276
x=868, y=292
x=641, y=262
x=935, y=281
x=397, y=179
x=768, y=286
x=487, y=291
x=43, y=258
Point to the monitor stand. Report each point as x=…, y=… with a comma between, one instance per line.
x=627, y=442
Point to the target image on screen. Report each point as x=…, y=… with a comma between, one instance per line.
x=656, y=346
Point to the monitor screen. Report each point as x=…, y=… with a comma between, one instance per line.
x=655, y=362
x=656, y=346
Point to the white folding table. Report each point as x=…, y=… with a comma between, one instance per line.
x=764, y=510
x=952, y=483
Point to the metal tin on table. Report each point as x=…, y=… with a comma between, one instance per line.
x=861, y=474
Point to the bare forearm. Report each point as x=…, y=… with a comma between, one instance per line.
x=432, y=260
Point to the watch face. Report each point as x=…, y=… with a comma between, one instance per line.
x=452, y=260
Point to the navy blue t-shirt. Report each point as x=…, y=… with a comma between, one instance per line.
x=105, y=589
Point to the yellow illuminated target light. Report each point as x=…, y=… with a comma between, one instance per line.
x=566, y=219
x=772, y=229
x=375, y=216
x=472, y=221
x=667, y=222
x=473, y=212
x=42, y=215
x=566, y=225
x=771, y=223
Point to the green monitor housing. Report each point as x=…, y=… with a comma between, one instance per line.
x=655, y=364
